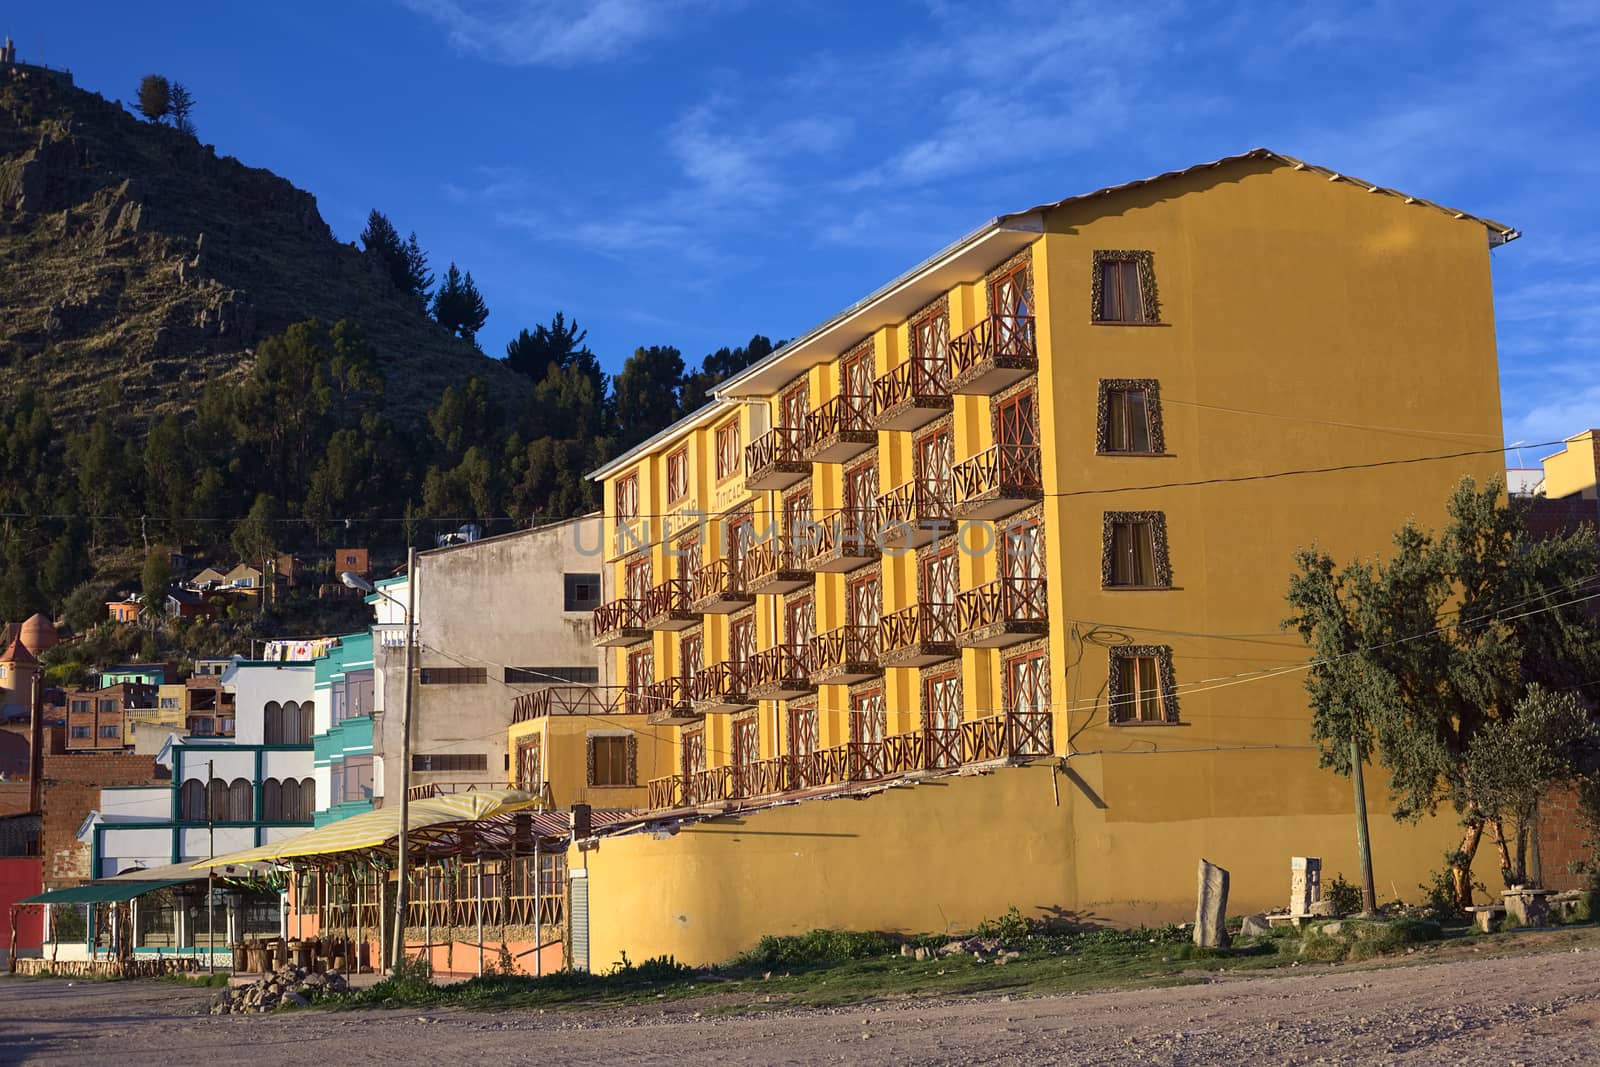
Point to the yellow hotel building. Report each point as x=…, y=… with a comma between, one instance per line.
x=999, y=553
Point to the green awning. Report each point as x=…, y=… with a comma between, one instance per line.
x=100, y=892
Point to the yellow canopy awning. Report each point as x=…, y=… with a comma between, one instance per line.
x=377, y=829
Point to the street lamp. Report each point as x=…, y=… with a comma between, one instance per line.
x=402, y=886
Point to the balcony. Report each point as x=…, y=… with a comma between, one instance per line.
x=916, y=513
x=574, y=700
x=1001, y=613
x=995, y=353
x=620, y=622
x=667, y=606
x=844, y=540
x=841, y=429
x=917, y=636
x=718, y=589
x=721, y=687
x=845, y=656
x=774, y=565
x=911, y=395
x=670, y=702
x=997, y=482
x=776, y=459
x=1009, y=735
x=710, y=786
x=781, y=672
x=764, y=777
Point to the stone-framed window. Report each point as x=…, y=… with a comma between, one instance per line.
x=612, y=758
x=1123, y=287
x=1134, y=552
x=1128, y=418
x=1142, y=686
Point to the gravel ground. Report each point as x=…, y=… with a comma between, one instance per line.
x=1541, y=1007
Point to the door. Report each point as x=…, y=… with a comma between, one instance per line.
x=795, y=407
x=694, y=752
x=857, y=383
x=863, y=609
x=1024, y=572
x=800, y=624
x=742, y=643
x=941, y=716
x=1008, y=303
x=804, y=740
x=931, y=353
x=869, y=722
x=941, y=583
x=936, y=459
x=689, y=560
x=638, y=580
x=746, y=751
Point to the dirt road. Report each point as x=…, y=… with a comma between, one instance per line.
x=1540, y=1008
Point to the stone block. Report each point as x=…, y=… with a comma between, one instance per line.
x=1255, y=926
x=1211, y=912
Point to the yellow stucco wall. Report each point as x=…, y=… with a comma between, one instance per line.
x=564, y=742
x=1305, y=324
x=1574, y=470
x=944, y=855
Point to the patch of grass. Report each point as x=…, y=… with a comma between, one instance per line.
x=818, y=948
x=205, y=981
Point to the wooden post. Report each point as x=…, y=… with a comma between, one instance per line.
x=480, y=916
x=383, y=942
x=427, y=913
x=355, y=949
x=538, y=911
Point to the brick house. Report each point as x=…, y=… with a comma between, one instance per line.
x=96, y=717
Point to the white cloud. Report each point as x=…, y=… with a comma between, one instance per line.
x=551, y=32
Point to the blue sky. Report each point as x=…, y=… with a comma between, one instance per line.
x=691, y=172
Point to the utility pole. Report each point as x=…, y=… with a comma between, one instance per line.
x=211, y=872
x=1369, y=896
x=402, y=888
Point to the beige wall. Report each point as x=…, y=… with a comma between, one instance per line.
x=490, y=604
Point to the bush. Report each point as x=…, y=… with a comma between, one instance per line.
x=1009, y=928
x=655, y=969
x=818, y=948
x=1345, y=898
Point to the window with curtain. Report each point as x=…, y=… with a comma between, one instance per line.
x=611, y=760
x=1137, y=693
x=1120, y=297
x=271, y=800
x=1136, y=546
x=1128, y=423
x=240, y=800
x=192, y=801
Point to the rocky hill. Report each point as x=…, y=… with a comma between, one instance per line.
x=139, y=265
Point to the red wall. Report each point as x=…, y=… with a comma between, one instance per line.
x=20, y=878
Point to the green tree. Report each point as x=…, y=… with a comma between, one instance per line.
x=458, y=306
x=464, y=418
x=719, y=366
x=255, y=537
x=182, y=107
x=418, y=279
x=85, y=606
x=647, y=392
x=65, y=565
x=1549, y=738
x=154, y=582
x=155, y=97
x=1414, y=656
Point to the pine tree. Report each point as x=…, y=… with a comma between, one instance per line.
x=182, y=105
x=458, y=306
x=418, y=278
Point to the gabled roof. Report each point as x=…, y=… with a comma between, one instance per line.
x=1499, y=232
x=17, y=652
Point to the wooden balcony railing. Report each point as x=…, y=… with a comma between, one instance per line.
x=440, y=789
x=670, y=702
x=1007, y=735
x=777, y=563
x=776, y=459
x=764, y=777
x=571, y=700
x=844, y=655
x=721, y=687
x=667, y=606
x=781, y=672
x=916, y=512
x=998, y=481
x=620, y=622
x=918, y=635
x=719, y=588
x=1002, y=612
x=995, y=352
x=825, y=766
x=912, y=394
x=840, y=429
x=842, y=540
x=942, y=746
x=710, y=786
x=666, y=792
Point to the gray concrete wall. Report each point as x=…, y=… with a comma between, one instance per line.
x=494, y=604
